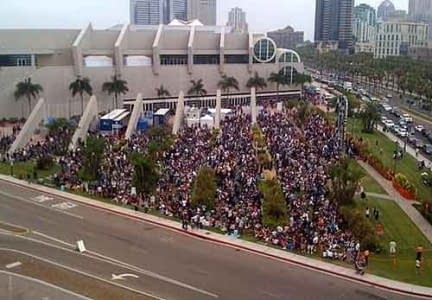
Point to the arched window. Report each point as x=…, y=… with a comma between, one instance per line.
x=264, y=50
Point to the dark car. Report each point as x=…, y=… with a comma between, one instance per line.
x=426, y=132
x=427, y=148
x=429, y=137
x=412, y=140
x=419, y=144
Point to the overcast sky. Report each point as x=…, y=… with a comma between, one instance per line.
x=262, y=15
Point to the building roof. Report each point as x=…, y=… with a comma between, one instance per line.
x=177, y=22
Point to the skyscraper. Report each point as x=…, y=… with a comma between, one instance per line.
x=364, y=24
x=203, y=10
x=286, y=38
x=237, y=20
x=333, y=22
x=421, y=11
x=385, y=10
x=155, y=12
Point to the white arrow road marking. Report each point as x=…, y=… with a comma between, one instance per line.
x=42, y=199
x=64, y=205
x=123, y=276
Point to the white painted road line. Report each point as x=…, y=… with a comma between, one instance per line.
x=41, y=205
x=115, y=262
x=13, y=265
x=42, y=199
x=122, y=276
x=64, y=205
x=82, y=273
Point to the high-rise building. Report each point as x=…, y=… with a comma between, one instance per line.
x=385, y=10
x=155, y=12
x=364, y=28
x=286, y=38
x=203, y=10
x=333, y=22
x=237, y=20
x=421, y=11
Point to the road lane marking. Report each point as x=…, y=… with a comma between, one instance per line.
x=13, y=265
x=40, y=282
x=64, y=205
x=82, y=273
x=122, y=276
x=40, y=205
x=115, y=262
x=42, y=199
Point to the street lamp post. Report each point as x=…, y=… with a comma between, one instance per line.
x=12, y=167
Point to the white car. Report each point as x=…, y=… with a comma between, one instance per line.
x=402, y=132
x=407, y=118
x=383, y=119
x=387, y=107
x=389, y=96
x=419, y=128
x=389, y=124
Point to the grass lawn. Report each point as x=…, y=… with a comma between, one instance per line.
x=399, y=227
x=369, y=184
x=406, y=166
x=22, y=169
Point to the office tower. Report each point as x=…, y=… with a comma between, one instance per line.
x=364, y=27
x=155, y=12
x=421, y=11
x=237, y=20
x=203, y=10
x=333, y=22
x=385, y=10
x=286, y=38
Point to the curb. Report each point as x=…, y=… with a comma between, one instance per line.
x=142, y=217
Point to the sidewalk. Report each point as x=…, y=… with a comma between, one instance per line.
x=269, y=252
x=405, y=205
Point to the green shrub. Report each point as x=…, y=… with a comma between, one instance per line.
x=44, y=163
x=274, y=206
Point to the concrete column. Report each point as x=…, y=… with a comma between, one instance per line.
x=179, y=114
x=253, y=106
x=89, y=115
x=218, y=109
x=135, y=116
x=33, y=121
x=33, y=60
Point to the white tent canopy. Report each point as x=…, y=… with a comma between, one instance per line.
x=207, y=121
x=98, y=61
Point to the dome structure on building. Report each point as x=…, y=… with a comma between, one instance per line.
x=385, y=9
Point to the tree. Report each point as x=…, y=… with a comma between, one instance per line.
x=117, y=86
x=81, y=86
x=162, y=92
x=28, y=90
x=145, y=175
x=344, y=180
x=370, y=116
x=302, y=79
x=228, y=82
x=204, y=189
x=274, y=206
x=92, y=158
x=257, y=82
x=160, y=140
x=197, y=88
x=278, y=79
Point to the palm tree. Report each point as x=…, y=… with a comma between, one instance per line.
x=162, y=92
x=227, y=83
x=81, y=86
x=278, y=79
x=28, y=90
x=197, y=88
x=257, y=82
x=117, y=86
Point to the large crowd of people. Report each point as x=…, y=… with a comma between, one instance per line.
x=301, y=152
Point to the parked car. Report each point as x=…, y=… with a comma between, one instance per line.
x=419, y=128
x=403, y=124
x=428, y=149
x=419, y=144
x=412, y=140
x=383, y=119
x=387, y=107
x=397, y=113
x=389, y=96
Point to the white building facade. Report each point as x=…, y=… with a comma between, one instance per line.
x=394, y=38
x=145, y=56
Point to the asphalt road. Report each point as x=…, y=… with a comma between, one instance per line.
x=169, y=265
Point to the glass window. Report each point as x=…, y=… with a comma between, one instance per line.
x=264, y=50
x=174, y=59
